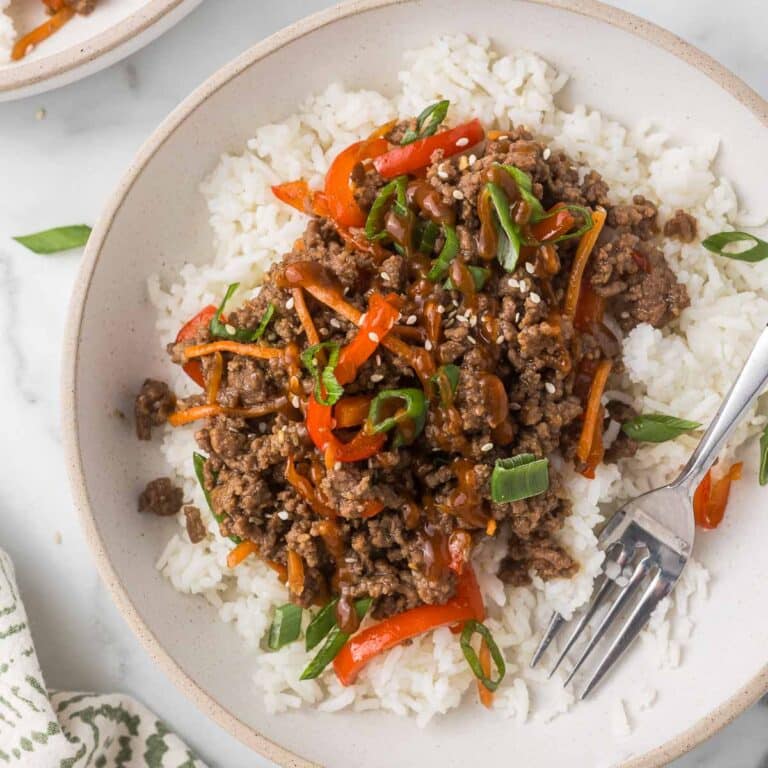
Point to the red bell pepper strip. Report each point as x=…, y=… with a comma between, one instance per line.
x=193, y=368
x=417, y=154
x=711, y=499
x=466, y=604
x=559, y=223
x=342, y=206
x=298, y=195
x=378, y=322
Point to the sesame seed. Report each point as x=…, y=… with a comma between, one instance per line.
x=502, y=138
x=376, y=377
x=295, y=402
x=472, y=159
x=471, y=340
x=230, y=328
x=500, y=339
x=411, y=320
x=529, y=268
x=428, y=345
x=485, y=447
x=362, y=318
x=462, y=142
x=523, y=286
x=385, y=276
x=550, y=387
x=334, y=322
x=513, y=283
x=547, y=153
x=517, y=317
x=323, y=331
x=443, y=175
x=440, y=309
x=337, y=466
x=262, y=427
x=535, y=298
x=283, y=514
x=473, y=320
x=289, y=303
x=378, y=359
x=374, y=337
x=624, y=315
x=458, y=194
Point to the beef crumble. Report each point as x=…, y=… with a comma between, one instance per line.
x=154, y=404
x=381, y=527
x=195, y=526
x=161, y=497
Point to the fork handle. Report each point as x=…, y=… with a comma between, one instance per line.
x=748, y=385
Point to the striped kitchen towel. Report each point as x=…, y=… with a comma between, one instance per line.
x=54, y=729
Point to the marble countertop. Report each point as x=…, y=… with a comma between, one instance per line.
x=62, y=153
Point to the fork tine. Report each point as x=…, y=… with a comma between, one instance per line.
x=658, y=589
x=554, y=626
x=601, y=591
x=641, y=569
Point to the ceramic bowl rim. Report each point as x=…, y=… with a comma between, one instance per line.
x=661, y=38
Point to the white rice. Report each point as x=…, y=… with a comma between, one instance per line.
x=7, y=32
x=684, y=370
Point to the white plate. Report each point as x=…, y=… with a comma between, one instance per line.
x=115, y=29
x=157, y=220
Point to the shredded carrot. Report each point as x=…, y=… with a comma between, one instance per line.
x=236, y=348
x=300, y=304
x=240, y=552
x=280, y=570
x=295, y=572
x=583, y=252
x=493, y=135
x=594, y=411
x=490, y=529
x=383, y=130
x=214, y=381
x=204, y=411
x=43, y=32
x=486, y=696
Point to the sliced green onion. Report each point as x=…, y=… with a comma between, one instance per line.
x=334, y=642
x=519, y=477
x=415, y=413
x=429, y=234
x=450, y=373
x=718, y=243
x=220, y=329
x=374, y=224
x=509, y=233
x=322, y=624
x=480, y=276
x=657, y=427
x=435, y=113
x=447, y=254
x=525, y=185
x=470, y=628
x=286, y=626
x=587, y=222
x=198, y=462
x=56, y=240
x=327, y=378
x=763, y=476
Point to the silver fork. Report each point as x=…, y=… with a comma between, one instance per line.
x=650, y=539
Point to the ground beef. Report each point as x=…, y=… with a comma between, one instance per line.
x=683, y=226
x=195, y=526
x=543, y=557
x=154, y=404
x=161, y=497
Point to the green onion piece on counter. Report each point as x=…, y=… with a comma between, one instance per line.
x=286, y=626
x=763, y=476
x=519, y=477
x=321, y=624
x=428, y=238
x=409, y=421
x=56, y=240
x=525, y=185
x=334, y=642
x=480, y=276
x=509, y=232
x=221, y=330
x=326, y=378
x=719, y=242
x=450, y=374
x=435, y=113
x=657, y=428
x=374, y=224
x=447, y=254
x=198, y=462
x=470, y=628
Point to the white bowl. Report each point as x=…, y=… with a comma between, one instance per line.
x=157, y=219
x=115, y=29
